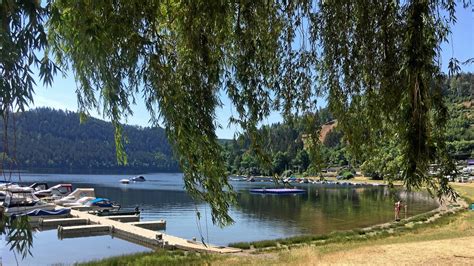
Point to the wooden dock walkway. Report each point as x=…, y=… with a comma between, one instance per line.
x=148, y=237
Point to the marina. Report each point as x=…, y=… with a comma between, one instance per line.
x=83, y=220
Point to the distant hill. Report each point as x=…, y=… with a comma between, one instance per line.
x=54, y=139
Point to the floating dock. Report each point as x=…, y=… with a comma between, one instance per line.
x=123, y=218
x=62, y=222
x=87, y=229
x=152, y=225
x=135, y=232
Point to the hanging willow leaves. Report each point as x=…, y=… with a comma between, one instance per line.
x=22, y=39
x=375, y=61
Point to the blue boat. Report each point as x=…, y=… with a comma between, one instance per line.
x=278, y=191
x=102, y=203
x=39, y=213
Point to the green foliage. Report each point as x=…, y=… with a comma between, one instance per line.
x=50, y=139
x=22, y=39
x=287, y=146
x=280, y=162
x=346, y=174
x=459, y=91
x=19, y=234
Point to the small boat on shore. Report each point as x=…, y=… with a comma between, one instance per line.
x=277, y=191
x=124, y=181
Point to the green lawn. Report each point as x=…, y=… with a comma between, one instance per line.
x=161, y=257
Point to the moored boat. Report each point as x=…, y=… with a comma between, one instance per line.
x=277, y=191
x=115, y=212
x=97, y=204
x=41, y=214
x=77, y=194
x=39, y=186
x=139, y=178
x=20, y=200
x=58, y=191
x=78, y=203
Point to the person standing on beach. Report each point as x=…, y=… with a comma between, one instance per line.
x=398, y=206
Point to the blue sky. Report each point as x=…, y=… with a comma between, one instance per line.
x=61, y=95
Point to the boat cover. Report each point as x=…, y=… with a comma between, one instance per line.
x=101, y=202
x=40, y=212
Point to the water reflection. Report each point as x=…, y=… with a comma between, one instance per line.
x=323, y=208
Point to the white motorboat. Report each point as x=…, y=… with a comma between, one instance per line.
x=97, y=204
x=20, y=200
x=39, y=186
x=3, y=188
x=139, y=178
x=58, y=191
x=77, y=194
x=79, y=203
x=124, y=181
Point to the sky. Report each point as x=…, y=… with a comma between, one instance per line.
x=62, y=95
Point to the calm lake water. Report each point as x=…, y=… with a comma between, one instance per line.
x=324, y=208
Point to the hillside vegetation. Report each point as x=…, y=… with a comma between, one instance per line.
x=54, y=139
x=284, y=142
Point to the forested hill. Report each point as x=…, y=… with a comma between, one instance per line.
x=285, y=146
x=52, y=139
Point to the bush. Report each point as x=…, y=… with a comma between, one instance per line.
x=345, y=174
x=373, y=175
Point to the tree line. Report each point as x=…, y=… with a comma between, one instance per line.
x=55, y=139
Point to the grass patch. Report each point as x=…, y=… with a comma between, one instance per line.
x=465, y=190
x=161, y=257
x=280, y=241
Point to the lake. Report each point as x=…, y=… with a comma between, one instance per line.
x=322, y=209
